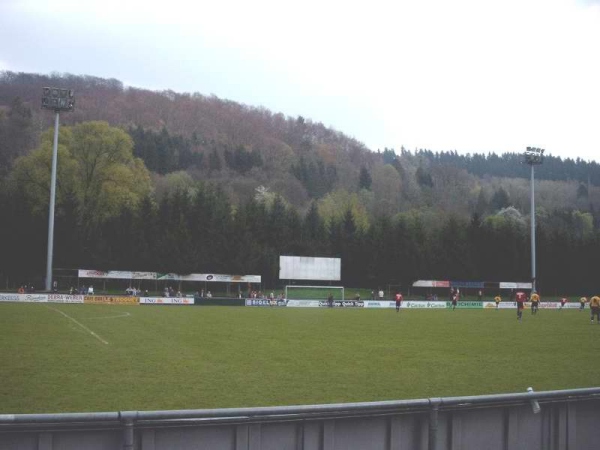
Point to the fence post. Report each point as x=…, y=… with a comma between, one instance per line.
x=433, y=422
x=127, y=418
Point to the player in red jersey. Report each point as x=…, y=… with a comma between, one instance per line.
x=562, y=302
x=454, y=301
x=520, y=298
x=398, y=300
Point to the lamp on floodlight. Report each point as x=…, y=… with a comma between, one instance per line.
x=56, y=99
x=533, y=156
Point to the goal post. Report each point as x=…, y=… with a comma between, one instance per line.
x=300, y=292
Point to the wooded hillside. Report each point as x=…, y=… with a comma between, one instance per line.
x=265, y=172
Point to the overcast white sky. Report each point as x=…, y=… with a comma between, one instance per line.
x=464, y=75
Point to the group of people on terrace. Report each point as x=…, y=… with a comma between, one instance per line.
x=82, y=290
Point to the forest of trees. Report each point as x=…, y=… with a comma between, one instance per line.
x=185, y=183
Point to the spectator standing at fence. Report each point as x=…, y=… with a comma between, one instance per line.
x=454, y=300
x=330, y=300
x=479, y=295
x=520, y=299
x=398, y=301
x=535, y=302
x=582, y=302
x=595, y=307
x=90, y=290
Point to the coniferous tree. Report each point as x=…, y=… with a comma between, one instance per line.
x=423, y=178
x=147, y=235
x=364, y=180
x=500, y=199
x=214, y=161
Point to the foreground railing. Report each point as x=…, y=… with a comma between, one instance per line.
x=561, y=420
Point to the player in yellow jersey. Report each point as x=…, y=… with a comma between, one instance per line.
x=595, y=307
x=582, y=302
x=535, y=302
x=497, y=299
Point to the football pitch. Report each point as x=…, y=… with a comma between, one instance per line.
x=75, y=358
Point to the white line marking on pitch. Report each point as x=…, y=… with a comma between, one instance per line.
x=125, y=314
x=80, y=324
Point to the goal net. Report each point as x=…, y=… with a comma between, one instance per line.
x=296, y=292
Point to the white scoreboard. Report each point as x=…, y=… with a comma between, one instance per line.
x=309, y=268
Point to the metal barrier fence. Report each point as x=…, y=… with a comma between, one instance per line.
x=550, y=420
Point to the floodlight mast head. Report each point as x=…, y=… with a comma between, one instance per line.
x=533, y=156
x=58, y=99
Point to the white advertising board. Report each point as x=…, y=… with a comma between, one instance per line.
x=303, y=303
x=210, y=277
x=514, y=285
x=61, y=298
x=423, y=304
x=166, y=301
x=309, y=268
x=501, y=305
x=379, y=304
x=116, y=274
x=129, y=275
x=542, y=305
x=26, y=298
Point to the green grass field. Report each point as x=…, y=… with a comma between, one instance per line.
x=68, y=358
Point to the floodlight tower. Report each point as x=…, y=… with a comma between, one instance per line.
x=533, y=156
x=57, y=100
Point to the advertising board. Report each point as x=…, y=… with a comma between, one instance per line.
x=379, y=304
x=543, y=305
x=25, y=298
x=303, y=303
x=107, y=300
x=166, y=301
x=325, y=304
x=63, y=298
x=134, y=275
x=501, y=305
x=467, y=305
x=423, y=304
x=265, y=302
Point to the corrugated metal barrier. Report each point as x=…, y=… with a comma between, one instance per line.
x=550, y=420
